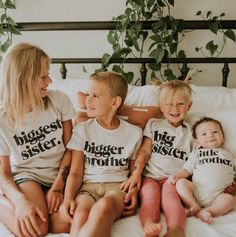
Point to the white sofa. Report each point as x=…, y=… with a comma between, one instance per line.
x=216, y=102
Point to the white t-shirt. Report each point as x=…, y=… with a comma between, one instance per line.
x=170, y=147
x=36, y=147
x=212, y=170
x=106, y=152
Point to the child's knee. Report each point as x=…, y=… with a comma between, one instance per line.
x=58, y=225
x=181, y=183
x=231, y=200
x=107, y=206
x=43, y=227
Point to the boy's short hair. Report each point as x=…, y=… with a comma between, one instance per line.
x=205, y=120
x=173, y=86
x=115, y=81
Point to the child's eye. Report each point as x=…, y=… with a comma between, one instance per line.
x=204, y=134
x=215, y=131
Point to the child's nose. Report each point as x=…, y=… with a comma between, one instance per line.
x=88, y=100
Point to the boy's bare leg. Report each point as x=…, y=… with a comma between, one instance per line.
x=175, y=231
x=222, y=205
x=84, y=205
x=151, y=229
x=102, y=215
x=185, y=189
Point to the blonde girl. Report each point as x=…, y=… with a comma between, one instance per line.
x=35, y=126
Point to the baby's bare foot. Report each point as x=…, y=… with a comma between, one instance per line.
x=205, y=216
x=152, y=229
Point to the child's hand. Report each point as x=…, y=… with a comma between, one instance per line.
x=172, y=179
x=27, y=216
x=54, y=199
x=129, y=184
x=231, y=189
x=131, y=202
x=67, y=210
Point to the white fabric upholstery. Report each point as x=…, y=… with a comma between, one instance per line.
x=216, y=102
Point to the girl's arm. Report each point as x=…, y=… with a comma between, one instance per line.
x=55, y=194
x=26, y=213
x=143, y=156
x=73, y=183
x=7, y=184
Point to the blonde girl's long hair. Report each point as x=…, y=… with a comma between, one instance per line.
x=20, y=73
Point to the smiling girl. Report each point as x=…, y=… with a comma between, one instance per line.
x=35, y=126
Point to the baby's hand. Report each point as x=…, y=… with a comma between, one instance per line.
x=172, y=179
x=134, y=180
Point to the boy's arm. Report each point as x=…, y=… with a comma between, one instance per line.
x=73, y=183
x=143, y=156
x=183, y=173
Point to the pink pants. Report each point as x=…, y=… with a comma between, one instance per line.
x=159, y=194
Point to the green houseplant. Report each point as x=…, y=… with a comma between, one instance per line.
x=7, y=26
x=163, y=40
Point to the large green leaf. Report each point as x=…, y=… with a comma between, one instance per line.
x=214, y=27
x=210, y=46
x=169, y=74
x=105, y=59
x=139, y=2
x=9, y=4
x=158, y=54
x=111, y=37
x=181, y=54
x=154, y=66
x=14, y=30
x=129, y=76
x=150, y=3
x=230, y=34
x=117, y=68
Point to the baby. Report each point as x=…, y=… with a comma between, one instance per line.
x=212, y=169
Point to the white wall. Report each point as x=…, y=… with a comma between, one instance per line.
x=93, y=44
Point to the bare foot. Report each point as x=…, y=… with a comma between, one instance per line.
x=205, y=216
x=192, y=210
x=175, y=231
x=151, y=229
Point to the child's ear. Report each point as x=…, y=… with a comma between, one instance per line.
x=190, y=105
x=160, y=106
x=117, y=101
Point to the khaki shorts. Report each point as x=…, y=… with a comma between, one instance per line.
x=99, y=190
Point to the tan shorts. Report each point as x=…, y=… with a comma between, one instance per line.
x=99, y=190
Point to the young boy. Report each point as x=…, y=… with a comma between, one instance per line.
x=102, y=150
x=212, y=169
x=165, y=148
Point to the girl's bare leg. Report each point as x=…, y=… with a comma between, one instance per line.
x=34, y=193
x=150, y=195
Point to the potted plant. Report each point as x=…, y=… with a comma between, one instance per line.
x=7, y=26
x=162, y=41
